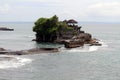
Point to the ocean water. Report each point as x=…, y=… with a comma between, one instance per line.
x=83, y=63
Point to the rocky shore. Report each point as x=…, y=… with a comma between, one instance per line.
x=29, y=51
x=80, y=40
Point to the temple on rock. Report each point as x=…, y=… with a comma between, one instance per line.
x=67, y=32
x=72, y=30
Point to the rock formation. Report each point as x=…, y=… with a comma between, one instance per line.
x=66, y=32
x=6, y=29
x=29, y=51
x=73, y=43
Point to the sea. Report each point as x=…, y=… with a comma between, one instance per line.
x=82, y=63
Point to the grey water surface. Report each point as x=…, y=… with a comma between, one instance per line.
x=87, y=63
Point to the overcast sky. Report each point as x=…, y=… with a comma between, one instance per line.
x=81, y=10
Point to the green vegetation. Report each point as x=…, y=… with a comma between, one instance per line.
x=46, y=25
x=49, y=25
x=46, y=28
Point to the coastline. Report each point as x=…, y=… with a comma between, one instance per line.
x=29, y=51
x=44, y=50
x=72, y=42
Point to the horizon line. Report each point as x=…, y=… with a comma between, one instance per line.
x=78, y=22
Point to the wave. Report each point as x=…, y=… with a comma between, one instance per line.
x=93, y=48
x=30, y=36
x=81, y=49
x=7, y=61
x=103, y=43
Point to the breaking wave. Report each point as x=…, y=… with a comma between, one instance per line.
x=93, y=48
x=7, y=61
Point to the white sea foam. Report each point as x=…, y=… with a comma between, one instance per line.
x=81, y=49
x=7, y=61
x=93, y=48
x=30, y=36
x=103, y=44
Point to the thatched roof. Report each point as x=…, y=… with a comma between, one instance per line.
x=72, y=21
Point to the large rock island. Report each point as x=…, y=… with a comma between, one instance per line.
x=66, y=32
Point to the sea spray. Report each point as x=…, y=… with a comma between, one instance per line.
x=85, y=48
x=8, y=61
x=103, y=43
x=93, y=48
x=81, y=49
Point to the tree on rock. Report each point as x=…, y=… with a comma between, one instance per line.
x=51, y=29
x=46, y=29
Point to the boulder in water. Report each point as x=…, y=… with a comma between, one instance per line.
x=73, y=43
x=94, y=42
x=6, y=29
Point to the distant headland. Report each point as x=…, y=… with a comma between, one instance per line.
x=6, y=29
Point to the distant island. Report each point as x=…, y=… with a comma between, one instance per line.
x=66, y=32
x=6, y=29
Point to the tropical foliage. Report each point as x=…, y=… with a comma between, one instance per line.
x=47, y=28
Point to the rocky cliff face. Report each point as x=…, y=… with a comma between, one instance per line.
x=45, y=38
x=78, y=40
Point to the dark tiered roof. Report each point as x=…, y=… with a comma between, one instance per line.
x=72, y=21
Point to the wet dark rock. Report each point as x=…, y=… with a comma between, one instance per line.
x=95, y=44
x=33, y=39
x=40, y=50
x=6, y=29
x=73, y=43
x=30, y=51
x=84, y=36
x=78, y=41
x=2, y=49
